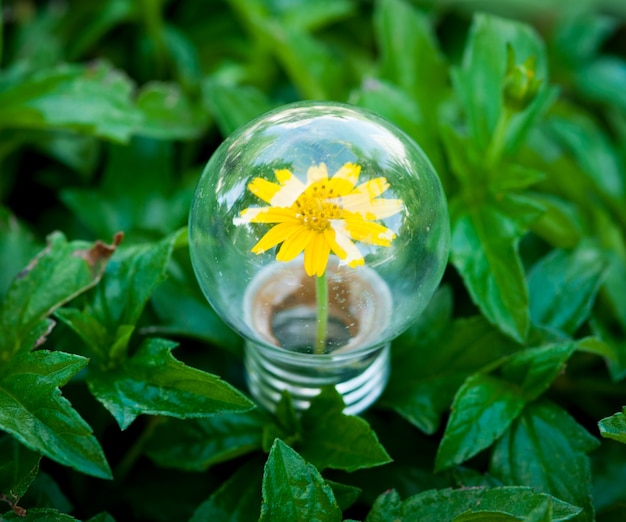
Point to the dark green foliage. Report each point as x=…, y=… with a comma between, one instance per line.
x=121, y=391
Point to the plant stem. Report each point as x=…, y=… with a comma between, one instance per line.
x=321, y=298
x=494, y=151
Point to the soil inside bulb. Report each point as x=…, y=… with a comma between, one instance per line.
x=295, y=329
x=281, y=307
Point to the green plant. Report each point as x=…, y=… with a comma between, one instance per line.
x=506, y=397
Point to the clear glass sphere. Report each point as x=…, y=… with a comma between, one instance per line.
x=319, y=189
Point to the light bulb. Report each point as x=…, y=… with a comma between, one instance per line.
x=319, y=232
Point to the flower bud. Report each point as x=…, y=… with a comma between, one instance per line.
x=520, y=84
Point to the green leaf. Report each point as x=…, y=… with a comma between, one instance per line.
x=591, y=148
x=425, y=376
x=484, y=251
x=603, y=80
x=40, y=515
x=33, y=410
x=294, y=490
x=545, y=449
x=614, y=427
x=139, y=193
x=234, y=105
x=18, y=466
x=483, y=409
x=196, y=445
x=561, y=224
x=333, y=439
x=409, y=58
x=17, y=248
x=409, y=52
x=58, y=274
x=445, y=505
x=94, y=99
x=345, y=494
x=183, y=310
x=237, y=500
x=484, y=516
x=533, y=370
x=480, y=80
x=168, y=113
x=563, y=286
x=108, y=320
x=153, y=382
x=386, y=508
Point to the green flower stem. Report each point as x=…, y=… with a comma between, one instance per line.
x=321, y=297
x=494, y=151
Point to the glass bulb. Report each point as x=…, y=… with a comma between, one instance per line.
x=319, y=232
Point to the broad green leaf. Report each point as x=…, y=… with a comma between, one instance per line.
x=561, y=224
x=614, y=427
x=546, y=449
x=386, y=508
x=40, y=515
x=484, y=516
x=109, y=319
x=483, y=409
x=59, y=273
x=391, y=102
x=410, y=57
x=312, y=67
x=335, y=440
x=617, y=363
x=603, y=80
x=542, y=513
x=18, y=466
x=94, y=99
x=426, y=376
x=167, y=113
x=45, y=492
x=534, y=369
x=153, y=382
x=33, y=410
x=294, y=490
x=237, y=500
x=484, y=250
x=233, y=105
x=313, y=14
x=577, y=37
x=344, y=494
x=196, y=445
x=563, y=286
x=183, y=310
x=139, y=193
x=17, y=247
x=102, y=517
x=480, y=80
x=287, y=426
x=590, y=146
x=444, y=505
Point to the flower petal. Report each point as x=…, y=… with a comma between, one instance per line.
x=367, y=231
x=373, y=188
x=275, y=235
x=290, y=188
x=295, y=244
x=316, y=173
x=316, y=255
x=263, y=189
x=266, y=215
x=329, y=235
x=352, y=255
x=348, y=173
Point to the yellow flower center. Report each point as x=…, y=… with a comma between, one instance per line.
x=314, y=210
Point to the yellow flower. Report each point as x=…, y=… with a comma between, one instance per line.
x=322, y=216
